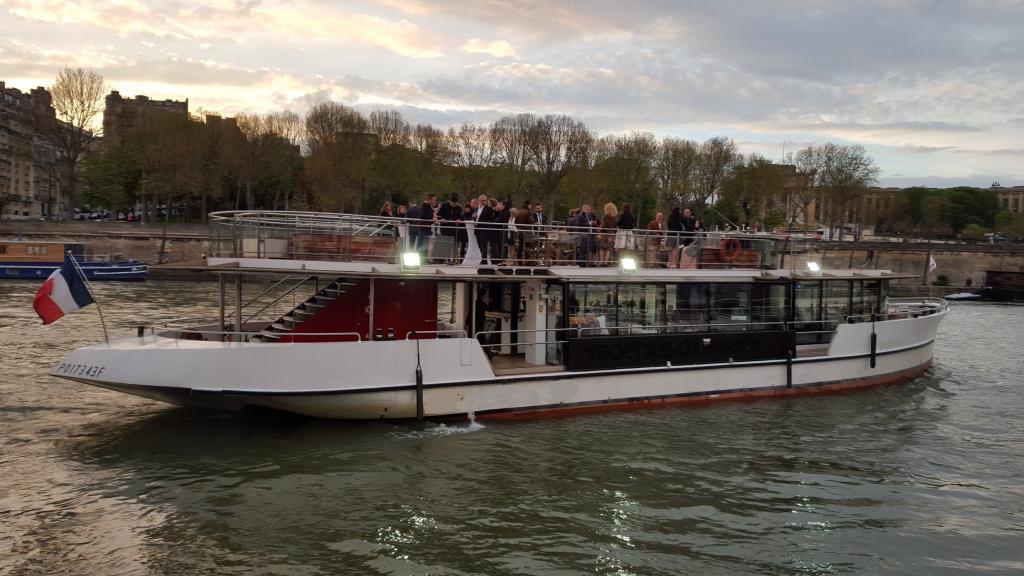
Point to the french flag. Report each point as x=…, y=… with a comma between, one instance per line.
x=62, y=293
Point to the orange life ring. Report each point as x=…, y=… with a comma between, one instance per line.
x=730, y=249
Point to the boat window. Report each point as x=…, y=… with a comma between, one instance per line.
x=730, y=305
x=687, y=306
x=638, y=307
x=592, y=308
x=769, y=306
x=808, y=303
x=836, y=302
x=552, y=321
x=3, y=249
x=870, y=297
x=446, y=315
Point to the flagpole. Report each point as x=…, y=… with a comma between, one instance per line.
x=88, y=287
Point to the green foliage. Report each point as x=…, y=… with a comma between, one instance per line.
x=945, y=212
x=974, y=233
x=1010, y=225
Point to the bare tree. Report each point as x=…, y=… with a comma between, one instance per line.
x=471, y=154
x=339, y=142
x=556, y=145
x=624, y=165
x=287, y=125
x=328, y=123
x=676, y=169
x=512, y=140
x=431, y=142
x=844, y=174
x=77, y=99
x=717, y=156
x=390, y=127
x=805, y=190
x=838, y=177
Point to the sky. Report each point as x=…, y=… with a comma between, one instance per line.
x=933, y=89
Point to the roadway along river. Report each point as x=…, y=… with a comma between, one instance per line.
x=918, y=479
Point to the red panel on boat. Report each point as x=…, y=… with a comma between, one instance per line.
x=402, y=306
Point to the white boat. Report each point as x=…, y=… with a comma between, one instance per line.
x=375, y=335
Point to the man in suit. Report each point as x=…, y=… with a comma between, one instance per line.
x=448, y=213
x=414, y=225
x=539, y=218
x=585, y=223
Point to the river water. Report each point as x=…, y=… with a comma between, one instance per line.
x=924, y=478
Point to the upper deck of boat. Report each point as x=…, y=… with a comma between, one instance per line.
x=357, y=245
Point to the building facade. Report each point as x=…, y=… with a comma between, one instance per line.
x=29, y=164
x=121, y=114
x=1011, y=198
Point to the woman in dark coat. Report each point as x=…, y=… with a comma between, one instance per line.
x=675, y=230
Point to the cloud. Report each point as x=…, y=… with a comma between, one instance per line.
x=496, y=48
x=228, y=21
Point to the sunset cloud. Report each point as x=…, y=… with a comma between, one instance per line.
x=496, y=48
x=931, y=89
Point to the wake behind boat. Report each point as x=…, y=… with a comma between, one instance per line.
x=537, y=322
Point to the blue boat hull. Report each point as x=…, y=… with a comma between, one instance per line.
x=94, y=271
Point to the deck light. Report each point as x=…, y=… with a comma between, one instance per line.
x=627, y=265
x=814, y=268
x=410, y=261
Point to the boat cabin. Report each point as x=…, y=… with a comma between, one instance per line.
x=546, y=308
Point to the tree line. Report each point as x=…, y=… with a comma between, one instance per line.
x=335, y=158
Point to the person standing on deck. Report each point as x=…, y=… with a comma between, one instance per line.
x=585, y=223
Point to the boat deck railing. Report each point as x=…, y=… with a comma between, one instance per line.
x=808, y=331
x=359, y=238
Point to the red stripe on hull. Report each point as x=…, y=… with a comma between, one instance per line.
x=830, y=388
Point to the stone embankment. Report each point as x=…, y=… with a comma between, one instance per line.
x=963, y=265
x=185, y=242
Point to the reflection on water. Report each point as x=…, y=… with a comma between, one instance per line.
x=915, y=479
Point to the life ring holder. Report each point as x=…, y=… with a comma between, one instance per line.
x=730, y=249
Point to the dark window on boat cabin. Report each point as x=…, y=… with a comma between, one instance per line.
x=836, y=302
x=865, y=299
x=639, y=307
x=768, y=306
x=687, y=306
x=730, y=306
x=807, y=310
x=592, y=308
x=446, y=312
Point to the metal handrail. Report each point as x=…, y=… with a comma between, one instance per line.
x=547, y=244
x=260, y=295
x=278, y=299
x=436, y=332
x=358, y=336
x=581, y=329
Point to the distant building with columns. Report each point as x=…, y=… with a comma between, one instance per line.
x=1010, y=198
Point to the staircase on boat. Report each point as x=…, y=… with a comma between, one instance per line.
x=285, y=328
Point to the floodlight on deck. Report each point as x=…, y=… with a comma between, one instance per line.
x=410, y=261
x=814, y=267
x=627, y=265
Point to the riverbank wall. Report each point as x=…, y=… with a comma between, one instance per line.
x=184, y=242
x=962, y=265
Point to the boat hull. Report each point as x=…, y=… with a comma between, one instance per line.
x=376, y=380
x=94, y=271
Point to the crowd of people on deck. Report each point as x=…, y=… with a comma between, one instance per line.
x=510, y=235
